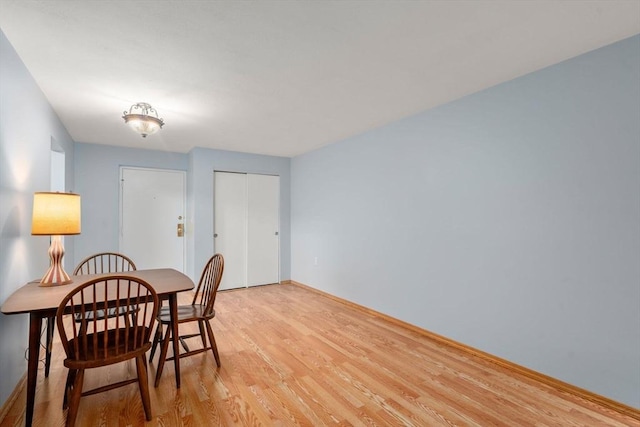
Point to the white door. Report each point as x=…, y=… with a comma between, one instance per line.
x=263, y=223
x=152, y=207
x=230, y=227
x=246, y=228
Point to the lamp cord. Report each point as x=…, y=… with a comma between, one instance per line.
x=42, y=360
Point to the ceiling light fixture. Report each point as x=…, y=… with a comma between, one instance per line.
x=143, y=118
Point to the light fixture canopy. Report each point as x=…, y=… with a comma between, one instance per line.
x=55, y=214
x=143, y=118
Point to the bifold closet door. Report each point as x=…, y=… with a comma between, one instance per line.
x=263, y=241
x=230, y=227
x=246, y=228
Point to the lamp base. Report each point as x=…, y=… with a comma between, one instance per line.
x=56, y=275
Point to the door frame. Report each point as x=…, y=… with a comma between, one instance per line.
x=184, y=204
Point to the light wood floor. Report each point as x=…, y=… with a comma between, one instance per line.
x=293, y=357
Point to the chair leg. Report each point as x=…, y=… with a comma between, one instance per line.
x=156, y=340
x=163, y=356
x=184, y=344
x=134, y=317
x=202, y=336
x=143, y=385
x=71, y=376
x=214, y=347
x=76, y=393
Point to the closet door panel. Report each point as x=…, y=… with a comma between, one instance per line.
x=230, y=227
x=263, y=247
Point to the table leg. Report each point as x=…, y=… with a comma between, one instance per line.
x=35, y=325
x=51, y=324
x=173, y=331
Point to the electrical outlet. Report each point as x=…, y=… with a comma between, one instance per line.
x=315, y=261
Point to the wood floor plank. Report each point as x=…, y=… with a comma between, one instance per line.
x=293, y=357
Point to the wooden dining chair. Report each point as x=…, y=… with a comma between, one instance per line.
x=94, y=342
x=100, y=263
x=106, y=262
x=200, y=310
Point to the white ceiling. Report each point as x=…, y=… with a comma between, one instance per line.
x=287, y=77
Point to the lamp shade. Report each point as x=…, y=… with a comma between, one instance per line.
x=56, y=214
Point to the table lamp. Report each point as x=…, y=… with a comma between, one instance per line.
x=55, y=214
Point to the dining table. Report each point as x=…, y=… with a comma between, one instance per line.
x=41, y=302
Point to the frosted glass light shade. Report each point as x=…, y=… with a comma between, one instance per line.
x=144, y=125
x=56, y=214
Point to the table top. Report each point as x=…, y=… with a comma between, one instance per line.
x=32, y=297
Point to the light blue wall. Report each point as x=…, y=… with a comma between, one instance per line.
x=508, y=220
x=97, y=176
x=27, y=127
x=202, y=164
x=97, y=173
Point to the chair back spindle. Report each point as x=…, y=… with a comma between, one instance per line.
x=210, y=279
x=104, y=262
x=93, y=339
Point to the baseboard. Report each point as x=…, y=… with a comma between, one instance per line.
x=537, y=376
x=4, y=410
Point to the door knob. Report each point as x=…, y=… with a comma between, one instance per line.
x=180, y=230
